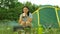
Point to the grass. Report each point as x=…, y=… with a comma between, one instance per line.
x=8, y=29
x=52, y=31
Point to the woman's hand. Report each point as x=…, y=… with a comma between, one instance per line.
x=24, y=14
x=28, y=23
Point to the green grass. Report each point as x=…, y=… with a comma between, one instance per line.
x=6, y=28
x=34, y=30
x=52, y=31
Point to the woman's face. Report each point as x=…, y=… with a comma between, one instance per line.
x=25, y=10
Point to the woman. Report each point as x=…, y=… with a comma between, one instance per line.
x=25, y=18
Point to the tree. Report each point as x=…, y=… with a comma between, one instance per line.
x=32, y=7
x=8, y=3
x=12, y=9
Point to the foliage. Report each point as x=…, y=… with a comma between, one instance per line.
x=11, y=9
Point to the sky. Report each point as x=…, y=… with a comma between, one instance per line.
x=42, y=2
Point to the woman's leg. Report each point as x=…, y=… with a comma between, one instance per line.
x=23, y=24
x=27, y=30
x=28, y=27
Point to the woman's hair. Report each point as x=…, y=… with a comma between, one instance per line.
x=28, y=9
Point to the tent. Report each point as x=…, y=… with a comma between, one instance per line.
x=46, y=17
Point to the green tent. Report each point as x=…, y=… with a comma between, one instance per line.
x=46, y=17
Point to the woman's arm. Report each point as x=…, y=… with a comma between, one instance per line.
x=20, y=19
x=21, y=22
x=29, y=19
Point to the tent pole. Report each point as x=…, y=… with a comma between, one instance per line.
x=57, y=16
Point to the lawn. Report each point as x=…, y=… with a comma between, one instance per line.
x=7, y=28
